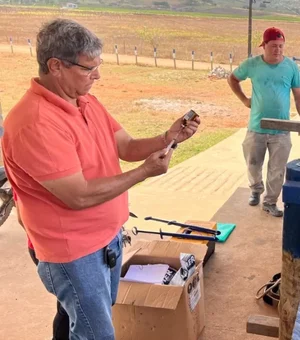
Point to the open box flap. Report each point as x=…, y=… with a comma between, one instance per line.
x=169, y=249
x=128, y=255
x=149, y=295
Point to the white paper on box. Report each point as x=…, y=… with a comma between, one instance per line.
x=151, y=273
x=195, y=296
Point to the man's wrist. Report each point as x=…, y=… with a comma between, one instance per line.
x=142, y=173
x=164, y=137
x=244, y=99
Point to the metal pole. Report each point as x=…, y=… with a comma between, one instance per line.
x=250, y=29
x=30, y=46
x=193, y=59
x=135, y=53
x=290, y=281
x=137, y=231
x=174, y=57
x=117, y=54
x=155, y=56
x=11, y=45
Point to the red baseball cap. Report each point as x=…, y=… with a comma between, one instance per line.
x=272, y=33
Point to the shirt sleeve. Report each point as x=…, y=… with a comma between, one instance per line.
x=45, y=152
x=114, y=124
x=1, y=124
x=296, y=77
x=15, y=197
x=242, y=71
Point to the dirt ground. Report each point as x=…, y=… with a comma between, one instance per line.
x=131, y=92
x=148, y=89
x=127, y=89
x=146, y=100
x=185, y=34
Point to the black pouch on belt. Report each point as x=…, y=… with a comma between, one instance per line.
x=110, y=257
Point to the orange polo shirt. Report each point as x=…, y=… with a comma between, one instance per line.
x=47, y=138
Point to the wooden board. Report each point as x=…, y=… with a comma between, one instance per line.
x=263, y=325
x=279, y=124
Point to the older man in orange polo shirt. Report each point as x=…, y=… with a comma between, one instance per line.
x=61, y=152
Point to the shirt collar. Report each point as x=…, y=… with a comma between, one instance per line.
x=56, y=100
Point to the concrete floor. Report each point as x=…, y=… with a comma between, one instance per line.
x=232, y=276
x=209, y=186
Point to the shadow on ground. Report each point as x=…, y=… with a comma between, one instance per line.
x=239, y=267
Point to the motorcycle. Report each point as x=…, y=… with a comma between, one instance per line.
x=6, y=197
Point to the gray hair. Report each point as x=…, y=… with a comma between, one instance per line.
x=65, y=39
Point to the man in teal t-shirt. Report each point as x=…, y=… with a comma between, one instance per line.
x=273, y=76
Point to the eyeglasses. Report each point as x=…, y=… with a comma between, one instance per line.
x=86, y=68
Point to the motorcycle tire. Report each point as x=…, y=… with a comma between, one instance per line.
x=7, y=212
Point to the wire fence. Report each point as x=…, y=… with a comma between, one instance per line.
x=136, y=56
x=155, y=56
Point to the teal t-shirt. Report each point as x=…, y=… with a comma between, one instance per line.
x=271, y=89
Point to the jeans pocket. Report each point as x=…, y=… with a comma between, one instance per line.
x=116, y=244
x=120, y=237
x=44, y=272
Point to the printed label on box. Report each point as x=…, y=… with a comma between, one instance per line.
x=194, y=294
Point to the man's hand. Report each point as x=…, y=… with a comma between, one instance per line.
x=187, y=132
x=247, y=102
x=78, y=193
x=157, y=163
x=235, y=86
x=296, y=93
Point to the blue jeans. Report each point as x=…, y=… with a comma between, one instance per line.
x=86, y=288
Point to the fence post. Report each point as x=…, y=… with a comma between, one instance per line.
x=155, y=57
x=117, y=55
x=230, y=61
x=135, y=53
x=174, y=58
x=211, y=61
x=193, y=59
x=11, y=45
x=30, y=47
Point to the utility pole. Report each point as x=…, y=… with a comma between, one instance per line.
x=251, y=2
x=250, y=29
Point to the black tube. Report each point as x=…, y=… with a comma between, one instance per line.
x=183, y=225
x=136, y=231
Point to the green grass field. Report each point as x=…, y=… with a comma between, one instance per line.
x=199, y=143
x=266, y=17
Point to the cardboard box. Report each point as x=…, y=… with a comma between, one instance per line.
x=210, y=244
x=160, y=312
